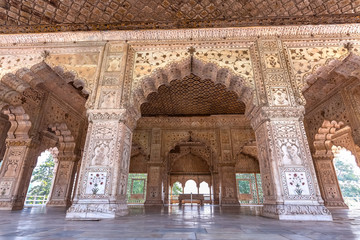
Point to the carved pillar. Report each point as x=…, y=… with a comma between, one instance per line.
x=328, y=182
x=15, y=173
x=290, y=187
x=227, y=170
x=154, y=180
x=19, y=160
x=228, y=185
x=60, y=195
x=101, y=192
x=216, y=188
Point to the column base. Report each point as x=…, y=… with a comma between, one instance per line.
x=297, y=212
x=96, y=210
x=230, y=202
x=58, y=203
x=6, y=205
x=153, y=202
x=336, y=204
x=11, y=205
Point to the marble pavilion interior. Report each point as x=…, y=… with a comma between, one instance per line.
x=179, y=90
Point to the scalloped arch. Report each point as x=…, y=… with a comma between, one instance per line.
x=181, y=69
x=333, y=133
x=196, y=154
x=12, y=85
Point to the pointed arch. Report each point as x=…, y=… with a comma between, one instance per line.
x=13, y=85
x=179, y=70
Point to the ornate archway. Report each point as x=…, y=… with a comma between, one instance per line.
x=32, y=99
x=188, y=66
x=332, y=134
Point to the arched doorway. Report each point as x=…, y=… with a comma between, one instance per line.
x=42, y=179
x=45, y=110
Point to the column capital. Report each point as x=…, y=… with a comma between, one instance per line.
x=67, y=158
x=28, y=142
x=128, y=117
x=263, y=114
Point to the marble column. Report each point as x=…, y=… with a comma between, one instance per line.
x=328, y=182
x=229, y=196
x=227, y=170
x=155, y=170
x=290, y=187
x=101, y=192
x=154, y=185
x=19, y=162
x=216, y=188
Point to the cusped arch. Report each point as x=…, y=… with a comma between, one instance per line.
x=195, y=142
x=333, y=133
x=190, y=163
x=12, y=85
x=179, y=70
x=206, y=155
x=66, y=141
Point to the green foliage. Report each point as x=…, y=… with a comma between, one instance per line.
x=138, y=186
x=244, y=186
x=138, y=180
x=177, y=189
x=349, y=180
x=42, y=178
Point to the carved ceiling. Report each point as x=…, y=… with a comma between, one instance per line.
x=65, y=15
x=192, y=96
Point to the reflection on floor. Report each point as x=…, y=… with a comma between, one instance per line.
x=187, y=222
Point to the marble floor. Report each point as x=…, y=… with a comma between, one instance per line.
x=187, y=222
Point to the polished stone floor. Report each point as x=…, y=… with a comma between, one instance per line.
x=187, y=222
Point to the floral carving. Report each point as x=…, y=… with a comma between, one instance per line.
x=96, y=183
x=297, y=183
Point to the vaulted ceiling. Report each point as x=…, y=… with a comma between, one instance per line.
x=68, y=15
x=192, y=96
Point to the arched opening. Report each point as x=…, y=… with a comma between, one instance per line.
x=332, y=119
x=137, y=178
x=45, y=108
x=42, y=179
x=204, y=188
x=331, y=137
x=177, y=104
x=174, y=191
x=348, y=175
x=191, y=187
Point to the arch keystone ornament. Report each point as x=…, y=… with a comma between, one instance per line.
x=101, y=192
x=290, y=187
